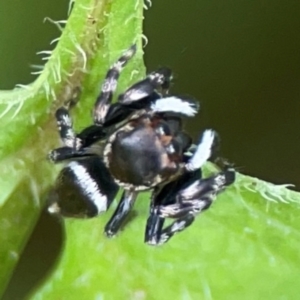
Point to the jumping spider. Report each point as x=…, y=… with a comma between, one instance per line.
x=138, y=144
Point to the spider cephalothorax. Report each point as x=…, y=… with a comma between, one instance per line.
x=138, y=144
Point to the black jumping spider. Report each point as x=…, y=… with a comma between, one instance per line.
x=138, y=144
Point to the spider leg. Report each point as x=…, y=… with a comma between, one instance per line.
x=109, y=85
x=92, y=134
x=117, y=113
x=169, y=107
x=175, y=105
x=165, y=195
x=75, y=145
x=125, y=205
x=72, y=144
x=157, y=80
x=154, y=227
x=145, y=91
x=182, y=200
x=65, y=128
x=179, y=225
x=64, y=153
x=203, y=151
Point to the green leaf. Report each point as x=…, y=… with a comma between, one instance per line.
x=92, y=39
x=245, y=247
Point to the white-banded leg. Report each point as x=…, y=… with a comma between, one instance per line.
x=64, y=153
x=182, y=200
x=175, y=105
x=75, y=145
x=109, y=85
x=187, y=196
x=202, y=152
x=65, y=128
x=158, y=80
x=165, y=195
x=71, y=143
x=124, y=207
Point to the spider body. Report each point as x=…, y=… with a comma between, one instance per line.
x=143, y=153
x=137, y=143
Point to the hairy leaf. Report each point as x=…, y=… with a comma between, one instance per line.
x=246, y=246
x=90, y=42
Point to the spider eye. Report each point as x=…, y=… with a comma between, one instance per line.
x=162, y=129
x=173, y=148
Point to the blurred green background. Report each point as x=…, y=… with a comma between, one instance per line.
x=240, y=58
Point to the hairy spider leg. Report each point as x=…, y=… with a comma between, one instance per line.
x=109, y=85
x=64, y=153
x=182, y=200
x=191, y=172
x=167, y=107
x=175, y=105
x=70, y=141
x=124, y=207
x=154, y=89
x=75, y=145
x=158, y=80
x=165, y=195
x=65, y=128
x=203, y=151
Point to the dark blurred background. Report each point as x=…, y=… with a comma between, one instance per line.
x=240, y=58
